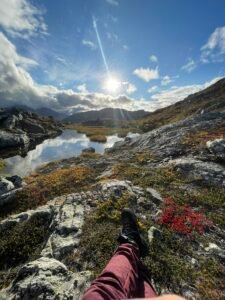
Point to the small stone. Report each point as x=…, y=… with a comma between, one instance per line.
x=154, y=233
x=154, y=194
x=88, y=150
x=5, y=186
x=217, y=147
x=141, y=201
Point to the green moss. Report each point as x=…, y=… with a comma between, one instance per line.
x=19, y=244
x=159, y=178
x=99, y=134
x=2, y=164
x=210, y=198
x=210, y=282
x=90, y=155
x=98, y=138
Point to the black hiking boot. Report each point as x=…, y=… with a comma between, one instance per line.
x=130, y=232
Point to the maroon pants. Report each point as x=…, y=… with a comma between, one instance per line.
x=122, y=278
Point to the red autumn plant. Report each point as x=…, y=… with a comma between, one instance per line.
x=182, y=219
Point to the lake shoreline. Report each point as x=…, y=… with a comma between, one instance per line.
x=67, y=145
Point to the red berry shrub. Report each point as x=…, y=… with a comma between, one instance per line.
x=182, y=219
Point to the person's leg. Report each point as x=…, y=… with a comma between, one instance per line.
x=148, y=290
x=120, y=278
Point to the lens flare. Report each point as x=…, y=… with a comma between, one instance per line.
x=112, y=85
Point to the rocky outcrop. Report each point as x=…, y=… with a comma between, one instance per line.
x=8, y=187
x=217, y=147
x=31, y=127
x=20, y=131
x=46, y=278
x=167, y=141
x=198, y=171
x=46, y=212
x=9, y=139
x=66, y=227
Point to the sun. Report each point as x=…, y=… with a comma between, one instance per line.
x=112, y=85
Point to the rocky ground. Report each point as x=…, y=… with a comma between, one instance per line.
x=21, y=131
x=59, y=230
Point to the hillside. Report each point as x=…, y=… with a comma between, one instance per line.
x=106, y=116
x=48, y=112
x=211, y=99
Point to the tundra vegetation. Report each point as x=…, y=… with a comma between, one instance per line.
x=187, y=253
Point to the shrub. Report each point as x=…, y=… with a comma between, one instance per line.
x=2, y=164
x=22, y=242
x=43, y=188
x=182, y=219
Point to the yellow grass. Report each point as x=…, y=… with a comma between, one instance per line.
x=99, y=134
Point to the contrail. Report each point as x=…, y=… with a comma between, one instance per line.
x=100, y=45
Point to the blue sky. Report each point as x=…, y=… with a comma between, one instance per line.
x=149, y=54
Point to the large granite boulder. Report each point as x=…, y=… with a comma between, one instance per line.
x=32, y=127
x=46, y=278
x=9, y=139
x=217, y=147
x=199, y=171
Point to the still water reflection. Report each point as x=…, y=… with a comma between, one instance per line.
x=68, y=144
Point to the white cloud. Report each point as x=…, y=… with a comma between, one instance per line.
x=153, y=58
x=131, y=88
x=112, y=36
x=82, y=88
x=89, y=44
x=152, y=89
x=61, y=60
x=166, y=80
x=214, y=49
x=147, y=74
x=112, y=2
x=189, y=66
x=21, y=18
x=18, y=87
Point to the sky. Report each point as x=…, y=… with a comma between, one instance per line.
x=79, y=55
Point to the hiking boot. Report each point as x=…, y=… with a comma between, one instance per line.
x=130, y=232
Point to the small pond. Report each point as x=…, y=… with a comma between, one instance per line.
x=70, y=143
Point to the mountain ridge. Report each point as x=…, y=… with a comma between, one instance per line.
x=210, y=99
x=105, y=115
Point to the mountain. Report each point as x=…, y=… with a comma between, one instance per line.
x=105, y=116
x=48, y=112
x=42, y=111
x=211, y=99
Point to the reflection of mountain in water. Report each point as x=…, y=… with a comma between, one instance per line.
x=69, y=144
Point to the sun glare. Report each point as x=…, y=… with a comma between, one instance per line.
x=112, y=85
